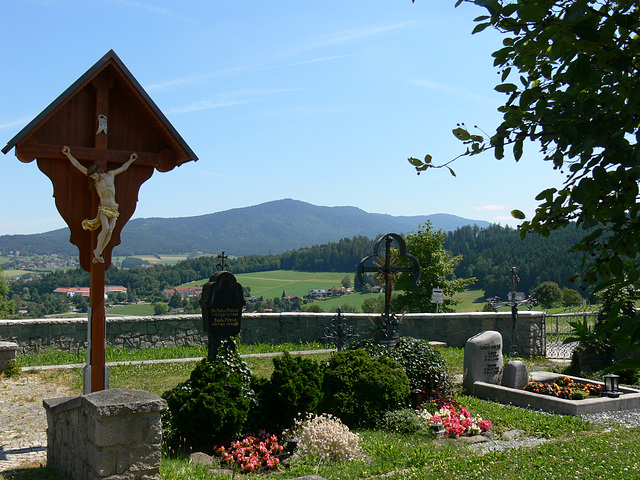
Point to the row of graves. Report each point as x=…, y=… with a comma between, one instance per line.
x=106, y=131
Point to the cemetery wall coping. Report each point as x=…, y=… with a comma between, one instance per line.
x=298, y=327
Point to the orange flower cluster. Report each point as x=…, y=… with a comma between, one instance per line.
x=564, y=387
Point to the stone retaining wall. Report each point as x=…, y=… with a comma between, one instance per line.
x=111, y=434
x=170, y=330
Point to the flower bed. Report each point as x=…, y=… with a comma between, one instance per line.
x=253, y=453
x=565, y=387
x=457, y=423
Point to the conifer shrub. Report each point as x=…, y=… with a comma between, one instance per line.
x=295, y=388
x=359, y=388
x=211, y=407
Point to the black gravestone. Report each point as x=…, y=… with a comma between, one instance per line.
x=221, y=302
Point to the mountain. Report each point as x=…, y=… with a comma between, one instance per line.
x=272, y=227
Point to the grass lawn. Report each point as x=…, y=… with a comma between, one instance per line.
x=140, y=309
x=271, y=284
x=471, y=300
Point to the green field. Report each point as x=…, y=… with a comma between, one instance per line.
x=144, y=309
x=271, y=284
x=471, y=300
x=153, y=260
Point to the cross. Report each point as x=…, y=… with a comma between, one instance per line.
x=530, y=302
x=386, y=266
x=107, y=121
x=222, y=265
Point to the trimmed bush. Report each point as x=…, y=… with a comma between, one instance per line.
x=295, y=388
x=359, y=388
x=423, y=364
x=211, y=407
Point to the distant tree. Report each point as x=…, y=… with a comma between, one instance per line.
x=313, y=307
x=80, y=303
x=176, y=301
x=373, y=304
x=571, y=297
x=437, y=268
x=548, y=294
x=161, y=308
x=7, y=307
x=346, y=281
x=132, y=262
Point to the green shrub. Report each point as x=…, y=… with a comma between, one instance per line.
x=423, y=364
x=404, y=421
x=295, y=388
x=359, y=388
x=425, y=367
x=211, y=407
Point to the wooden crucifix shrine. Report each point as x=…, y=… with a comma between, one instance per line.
x=98, y=142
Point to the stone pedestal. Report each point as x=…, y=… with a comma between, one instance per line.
x=482, y=360
x=111, y=434
x=8, y=351
x=515, y=375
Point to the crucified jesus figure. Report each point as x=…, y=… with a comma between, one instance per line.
x=108, y=208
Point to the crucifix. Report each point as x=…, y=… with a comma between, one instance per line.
x=386, y=265
x=514, y=303
x=98, y=142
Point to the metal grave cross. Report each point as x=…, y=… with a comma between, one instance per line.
x=530, y=302
x=386, y=265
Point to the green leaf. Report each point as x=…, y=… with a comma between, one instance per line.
x=451, y=171
x=530, y=12
x=428, y=158
x=415, y=162
x=461, y=133
x=518, y=214
x=546, y=194
x=506, y=88
x=616, y=265
x=480, y=27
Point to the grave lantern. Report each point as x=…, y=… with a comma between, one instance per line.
x=611, y=384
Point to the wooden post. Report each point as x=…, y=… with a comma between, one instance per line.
x=98, y=327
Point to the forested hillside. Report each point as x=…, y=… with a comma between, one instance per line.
x=272, y=227
x=489, y=253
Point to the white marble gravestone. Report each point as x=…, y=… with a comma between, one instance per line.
x=482, y=359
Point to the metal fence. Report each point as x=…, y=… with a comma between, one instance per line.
x=558, y=328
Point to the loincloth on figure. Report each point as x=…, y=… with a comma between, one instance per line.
x=109, y=212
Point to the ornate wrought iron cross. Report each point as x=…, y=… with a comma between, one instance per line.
x=530, y=302
x=339, y=332
x=386, y=266
x=222, y=265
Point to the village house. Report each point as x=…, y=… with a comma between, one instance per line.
x=184, y=292
x=84, y=291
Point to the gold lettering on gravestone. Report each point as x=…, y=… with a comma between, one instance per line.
x=225, y=317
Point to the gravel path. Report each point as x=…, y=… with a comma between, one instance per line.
x=23, y=421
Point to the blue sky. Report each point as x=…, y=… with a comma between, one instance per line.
x=317, y=101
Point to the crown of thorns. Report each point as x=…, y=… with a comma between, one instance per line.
x=93, y=169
